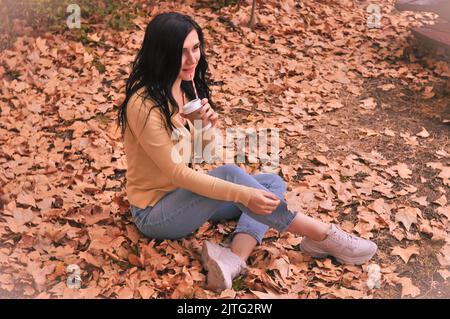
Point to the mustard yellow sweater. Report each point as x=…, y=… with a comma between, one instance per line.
x=153, y=171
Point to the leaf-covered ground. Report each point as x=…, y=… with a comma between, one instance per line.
x=364, y=140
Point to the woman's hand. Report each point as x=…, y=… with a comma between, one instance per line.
x=206, y=113
x=263, y=202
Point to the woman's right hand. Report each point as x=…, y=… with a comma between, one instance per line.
x=262, y=202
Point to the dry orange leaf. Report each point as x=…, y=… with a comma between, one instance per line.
x=405, y=253
x=407, y=216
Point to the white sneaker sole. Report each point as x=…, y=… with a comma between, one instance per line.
x=343, y=260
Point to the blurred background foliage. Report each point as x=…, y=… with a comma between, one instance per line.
x=28, y=17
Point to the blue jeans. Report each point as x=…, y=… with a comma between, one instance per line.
x=181, y=212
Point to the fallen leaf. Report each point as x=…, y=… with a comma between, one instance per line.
x=445, y=273
x=408, y=289
x=405, y=253
x=388, y=132
x=423, y=133
x=402, y=170
x=40, y=273
x=146, y=291
x=272, y=295
x=441, y=201
x=228, y=294
x=387, y=87
x=444, y=255
x=420, y=200
x=407, y=216
x=368, y=104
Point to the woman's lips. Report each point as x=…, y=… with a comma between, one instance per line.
x=189, y=70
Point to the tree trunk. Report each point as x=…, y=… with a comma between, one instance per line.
x=252, y=17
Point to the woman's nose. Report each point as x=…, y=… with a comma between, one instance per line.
x=191, y=59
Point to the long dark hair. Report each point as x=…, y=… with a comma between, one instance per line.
x=158, y=64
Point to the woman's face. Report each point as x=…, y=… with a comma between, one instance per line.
x=190, y=56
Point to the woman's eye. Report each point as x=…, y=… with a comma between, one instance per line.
x=194, y=49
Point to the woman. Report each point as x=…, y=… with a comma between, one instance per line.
x=169, y=200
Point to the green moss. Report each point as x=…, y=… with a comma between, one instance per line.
x=99, y=66
x=238, y=283
x=218, y=4
x=13, y=74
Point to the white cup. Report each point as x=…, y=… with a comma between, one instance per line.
x=193, y=106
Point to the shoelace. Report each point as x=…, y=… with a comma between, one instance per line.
x=346, y=237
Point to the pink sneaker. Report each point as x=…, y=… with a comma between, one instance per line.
x=222, y=265
x=345, y=247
